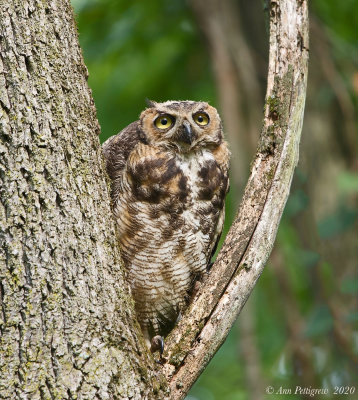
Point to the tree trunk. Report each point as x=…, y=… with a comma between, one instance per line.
x=66, y=319
x=68, y=329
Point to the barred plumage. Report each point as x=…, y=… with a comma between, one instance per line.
x=169, y=173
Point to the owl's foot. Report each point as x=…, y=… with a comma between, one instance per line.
x=157, y=344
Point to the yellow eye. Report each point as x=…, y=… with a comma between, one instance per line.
x=164, y=121
x=201, y=118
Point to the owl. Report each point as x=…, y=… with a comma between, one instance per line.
x=169, y=179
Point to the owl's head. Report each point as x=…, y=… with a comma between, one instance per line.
x=182, y=125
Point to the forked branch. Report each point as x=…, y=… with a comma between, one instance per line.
x=249, y=242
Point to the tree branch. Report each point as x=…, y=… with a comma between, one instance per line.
x=239, y=264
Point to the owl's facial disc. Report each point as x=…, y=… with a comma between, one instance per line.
x=184, y=126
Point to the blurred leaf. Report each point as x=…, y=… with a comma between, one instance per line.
x=328, y=278
x=355, y=342
x=320, y=322
x=270, y=326
x=296, y=261
x=297, y=202
x=349, y=285
x=283, y=368
x=348, y=182
x=300, y=176
x=325, y=95
x=200, y=393
x=308, y=258
x=335, y=224
x=335, y=14
x=320, y=357
x=352, y=317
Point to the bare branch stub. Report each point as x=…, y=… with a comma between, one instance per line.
x=248, y=244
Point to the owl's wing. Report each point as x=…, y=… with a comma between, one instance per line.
x=222, y=156
x=217, y=236
x=117, y=149
x=218, y=230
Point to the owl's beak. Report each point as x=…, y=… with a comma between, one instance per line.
x=186, y=134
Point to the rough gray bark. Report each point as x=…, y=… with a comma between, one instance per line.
x=66, y=317
x=248, y=244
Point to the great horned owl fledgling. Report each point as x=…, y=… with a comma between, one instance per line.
x=169, y=173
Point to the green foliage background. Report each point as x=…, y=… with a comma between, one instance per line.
x=137, y=50
x=154, y=49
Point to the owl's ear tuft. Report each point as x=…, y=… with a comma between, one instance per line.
x=150, y=103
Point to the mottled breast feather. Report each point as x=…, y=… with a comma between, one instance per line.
x=169, y=208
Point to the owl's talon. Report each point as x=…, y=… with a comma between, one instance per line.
x=161, y=360
x=157, y=344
